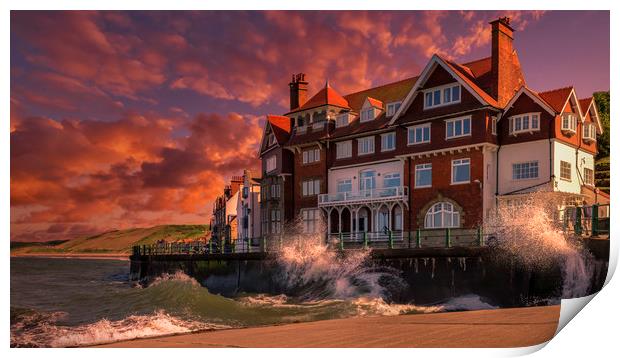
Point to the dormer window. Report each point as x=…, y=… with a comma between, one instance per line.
x=367, y=115
x=271, y=139
x=442, y=96
x=569, y=123
x=589, y=132
x=392, y=108
x=524, y=123
x=343, y=120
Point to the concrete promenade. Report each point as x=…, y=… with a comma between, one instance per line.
x=511, y=327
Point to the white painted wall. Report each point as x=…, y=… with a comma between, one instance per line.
x=564, y=152
x=353, y=173
x=519, y=153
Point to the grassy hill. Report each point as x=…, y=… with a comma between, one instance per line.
x=112, y=242
x=602, y=174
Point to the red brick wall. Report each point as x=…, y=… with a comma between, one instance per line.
x=524, y=104
x=467, y=196
x=308, y=171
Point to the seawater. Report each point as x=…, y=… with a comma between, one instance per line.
x=77, y=302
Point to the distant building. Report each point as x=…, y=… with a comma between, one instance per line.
x=248, y=210
x=224, y=221
x=439, y=150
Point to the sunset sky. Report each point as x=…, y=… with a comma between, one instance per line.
x=133, y=119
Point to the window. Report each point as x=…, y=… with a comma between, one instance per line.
x=565, y=171
x=569, y=122
x=388, y=142
x=527, y=122
x=589, y=132
x=311, y=156
x=441, y=96
x=310, y=219
x=342, y=120
x=441, y=215
x=424, y=175
x=419, y=134
x=527, y=170
x=276, y=221
x=367, y=115
x=458, y=127
x=367, y=179
x=344, y=186
x=460, y=171
x=494, y=125
x=311, y=187
x=391, y=180
x=264, y=222
x=343, y=149
x=275, y=190
x=588, y=176
x=270, y=165
x=271, y=139
x=392, y=108
x=365, y=145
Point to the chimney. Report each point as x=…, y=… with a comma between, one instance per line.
x=505, y=67
x=299, y=90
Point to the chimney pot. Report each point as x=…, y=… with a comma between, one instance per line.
x=298, y=90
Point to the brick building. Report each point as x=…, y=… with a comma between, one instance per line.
x=441, y=149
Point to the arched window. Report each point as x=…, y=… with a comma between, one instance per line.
x=441, y=215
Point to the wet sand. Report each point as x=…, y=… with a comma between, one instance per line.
x=500, y=328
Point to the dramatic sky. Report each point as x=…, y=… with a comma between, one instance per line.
x=126, y=119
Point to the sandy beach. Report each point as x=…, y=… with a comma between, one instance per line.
x=500, y=328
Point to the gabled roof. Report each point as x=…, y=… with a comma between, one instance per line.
x=557, y=98
x=463, y=74
x=391, y=92
x=326, y=96
x=534, y=96
x=281, y=127
x=585, y=104
x=374, y=102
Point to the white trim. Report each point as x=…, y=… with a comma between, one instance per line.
x=430, y=67
x=344, y=142
x=383, y=135
x=415, y=176
x=372, y=146
x=363, y=164
x=533, y=96
x=449, y=149
x=599, y=125
x=452, y=182
x=462, y=119
x=387, y=108
x=414, y=127
x=530, y=129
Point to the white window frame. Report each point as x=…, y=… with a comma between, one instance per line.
x=570, y=171
x=494, y=125
x=442, y=99
x=393, y=175
x=362, y=141
x=271, y=139
x=590, y=128
x=345, y=181
x=413, y=129
x=392, y=108
x=524, y=169
x=445, y=209
x=519, y=120
x=384, y=139
x=275, y=191
x=343, y=120
x=344, y=149
x=453, y=121
x=460, y=162
x=423, y=167
x=310, y=220
x=311, y=187
x=367, y=115
x=276, y=221
x=570, y=119
x=309, y=159
x=271, y=163
x=588, y=179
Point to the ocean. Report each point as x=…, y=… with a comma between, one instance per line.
x=67, y=302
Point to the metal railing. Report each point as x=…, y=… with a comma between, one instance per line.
x=395, y=193
x=585, y=220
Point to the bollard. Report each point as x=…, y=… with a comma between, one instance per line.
x=594, y=217
x=418, y=238
x=341, y=242
x=578, y=221
x=390, y=239
x=365, y=240
x=480, y=236
x=448, y=243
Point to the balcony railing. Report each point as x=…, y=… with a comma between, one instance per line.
x=380, y=194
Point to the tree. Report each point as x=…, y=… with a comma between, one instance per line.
x=602, y=105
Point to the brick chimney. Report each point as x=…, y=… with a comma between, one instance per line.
x=505, y=67
x=299, y=90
